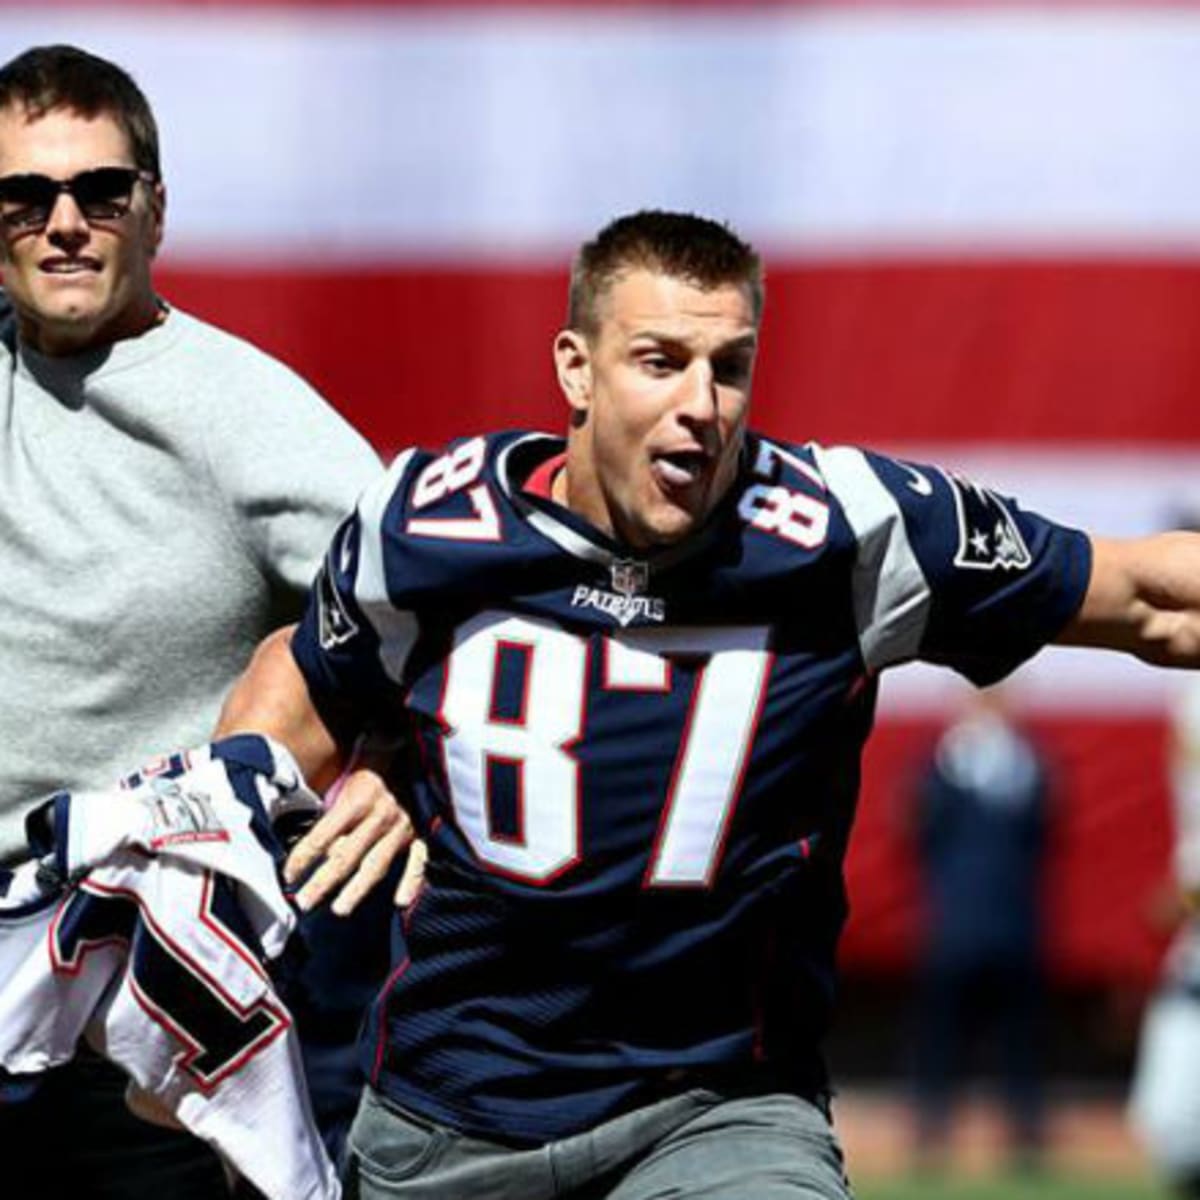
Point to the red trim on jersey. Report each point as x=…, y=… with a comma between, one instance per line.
x=61, y=965
x=193, y=1048
x=644, y=689
x=735, y=793
x=483, y=526
x=518, y=764
x=541, y=482
x=211, y=921
x=381, y=1038
x=664, y=815
x=526, y=650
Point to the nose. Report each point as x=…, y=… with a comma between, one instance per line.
x=66, y=224
x=698, y=400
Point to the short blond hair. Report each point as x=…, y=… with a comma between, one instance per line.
x=696, y=249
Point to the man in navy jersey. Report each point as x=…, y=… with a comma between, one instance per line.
x=628, y=677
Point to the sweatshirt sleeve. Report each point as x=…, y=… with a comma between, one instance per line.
x=289, y=465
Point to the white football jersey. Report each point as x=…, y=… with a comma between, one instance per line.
x=154, y=953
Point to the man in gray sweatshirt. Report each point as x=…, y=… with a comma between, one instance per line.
x=166, y=492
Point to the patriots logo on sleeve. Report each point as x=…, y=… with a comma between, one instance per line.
x=335, y=625
x=988, y=536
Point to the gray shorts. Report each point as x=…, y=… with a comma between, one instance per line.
x=770, y=1147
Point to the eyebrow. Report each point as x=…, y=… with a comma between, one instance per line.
x=746, y=341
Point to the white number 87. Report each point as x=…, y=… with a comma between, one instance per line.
x=539, y=742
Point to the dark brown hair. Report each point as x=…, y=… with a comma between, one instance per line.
x=681, y=245
x=45, y=78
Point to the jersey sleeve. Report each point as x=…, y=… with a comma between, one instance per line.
x=949, y=571
x=353, y=642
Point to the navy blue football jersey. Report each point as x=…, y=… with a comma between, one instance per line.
x=636, y=772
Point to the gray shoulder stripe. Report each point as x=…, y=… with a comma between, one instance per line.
x=396, y=629
x=891, y=595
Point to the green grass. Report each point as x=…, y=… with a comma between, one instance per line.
x=1050, y=1186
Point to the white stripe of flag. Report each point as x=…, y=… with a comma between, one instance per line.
x=353, y=134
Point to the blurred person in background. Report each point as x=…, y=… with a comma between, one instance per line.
x=166, y=492
x=980, y=816
x=1165, y=1098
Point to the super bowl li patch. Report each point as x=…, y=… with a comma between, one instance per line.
x=179, y=813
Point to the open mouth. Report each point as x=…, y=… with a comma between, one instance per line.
x=680, y=468
x=70, y=266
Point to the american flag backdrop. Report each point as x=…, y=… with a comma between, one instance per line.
x=982, y=229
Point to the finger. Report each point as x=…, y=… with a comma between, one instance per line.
x=352, y=848
x=341, y=861
x=413, y=878
x=346, y=853
x=352, y=806
x=371, y=871
x=318, y=885
x=317, y=841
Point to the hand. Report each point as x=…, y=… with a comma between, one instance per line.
x=359, y=838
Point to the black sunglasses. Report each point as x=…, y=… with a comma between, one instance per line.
x=103, y=194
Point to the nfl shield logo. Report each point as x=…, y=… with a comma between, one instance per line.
x=629, y=578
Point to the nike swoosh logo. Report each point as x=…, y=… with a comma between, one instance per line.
x=918, y=482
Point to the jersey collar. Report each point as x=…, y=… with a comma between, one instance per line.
x=521, y=462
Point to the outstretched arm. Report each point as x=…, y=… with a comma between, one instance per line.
x=361, y=834
x=1144, y=598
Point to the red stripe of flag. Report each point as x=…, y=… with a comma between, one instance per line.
x=1023, y=352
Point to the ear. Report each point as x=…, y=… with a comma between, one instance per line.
x=573, y=363
x=158, y=213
